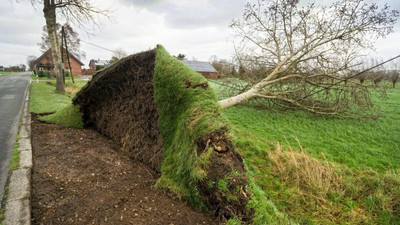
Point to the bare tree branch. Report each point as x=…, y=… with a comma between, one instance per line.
x=294, y=50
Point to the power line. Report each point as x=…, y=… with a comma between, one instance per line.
x=98, y=46
x=347, y=78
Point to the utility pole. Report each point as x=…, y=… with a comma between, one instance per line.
x=64, y=36
x=62, y=53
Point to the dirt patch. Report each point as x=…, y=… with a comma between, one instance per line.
x=119, y=103
x=82, y=177
x=224, y=188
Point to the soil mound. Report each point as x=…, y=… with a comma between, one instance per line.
x=166, y=116
x=119, y=103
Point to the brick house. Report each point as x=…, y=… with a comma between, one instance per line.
x=204, y=68
x=45, y=62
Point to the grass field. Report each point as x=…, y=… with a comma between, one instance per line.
x=44, y=99
x=319, y=170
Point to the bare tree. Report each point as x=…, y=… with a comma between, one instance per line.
x=72, y=37
x=223, y=66
x=297, y=51
x=31, y=62
x=118, y=54
x=394, y=74
x=78, y=12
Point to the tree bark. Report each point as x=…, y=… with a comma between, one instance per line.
x=49, y=11
x=235, y=100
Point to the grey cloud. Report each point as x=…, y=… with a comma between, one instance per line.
x=211, y=13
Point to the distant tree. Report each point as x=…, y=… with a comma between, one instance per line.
x=300, y=50
x=180, y=56
x=394, y=73
x=72, y=37
x=394, y=77
x=31, y=62
x=223, y=66
x=118, y=54
x=233, y=72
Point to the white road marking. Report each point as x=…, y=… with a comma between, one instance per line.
x=8, y=97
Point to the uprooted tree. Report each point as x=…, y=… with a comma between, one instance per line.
x=288, y=52
x=78, y=12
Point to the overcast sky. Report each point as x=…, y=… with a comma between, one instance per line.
x=197, y=28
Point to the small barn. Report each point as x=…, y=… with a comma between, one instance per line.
x=45, y=62
x=204, y=68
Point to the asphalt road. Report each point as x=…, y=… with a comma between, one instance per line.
x=12, y=95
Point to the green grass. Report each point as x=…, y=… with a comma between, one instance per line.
x=3, y=73
x=185, y=114
x=14, y=164
x=330, y=171
x=44, y=99
x=69, y=116
x=68, y=78
x=1, y=216
x=355, y=143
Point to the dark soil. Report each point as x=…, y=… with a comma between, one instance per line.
x=82, y=177
x=226, y=164
x=119, y=103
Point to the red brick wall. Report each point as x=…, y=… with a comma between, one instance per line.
x=75, y=66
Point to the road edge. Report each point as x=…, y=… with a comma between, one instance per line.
x=18, y=206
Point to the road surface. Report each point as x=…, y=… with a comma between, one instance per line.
x=12, y=95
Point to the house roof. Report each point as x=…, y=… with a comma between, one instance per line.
x=100, y=62
x=200, y=66
x=48, y=51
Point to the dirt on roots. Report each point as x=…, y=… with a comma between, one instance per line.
x=82, y=177
x=119, y=103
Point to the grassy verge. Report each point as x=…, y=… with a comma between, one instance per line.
x=68, y=79
x=3, y=73
x=44, y=99
x=14, y=164
x=69, y=116
x=323, y=170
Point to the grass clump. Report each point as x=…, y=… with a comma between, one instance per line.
x=44, y=99
x=1, y=215
x=14, y=164
x=187, y=110
x=69, y=116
